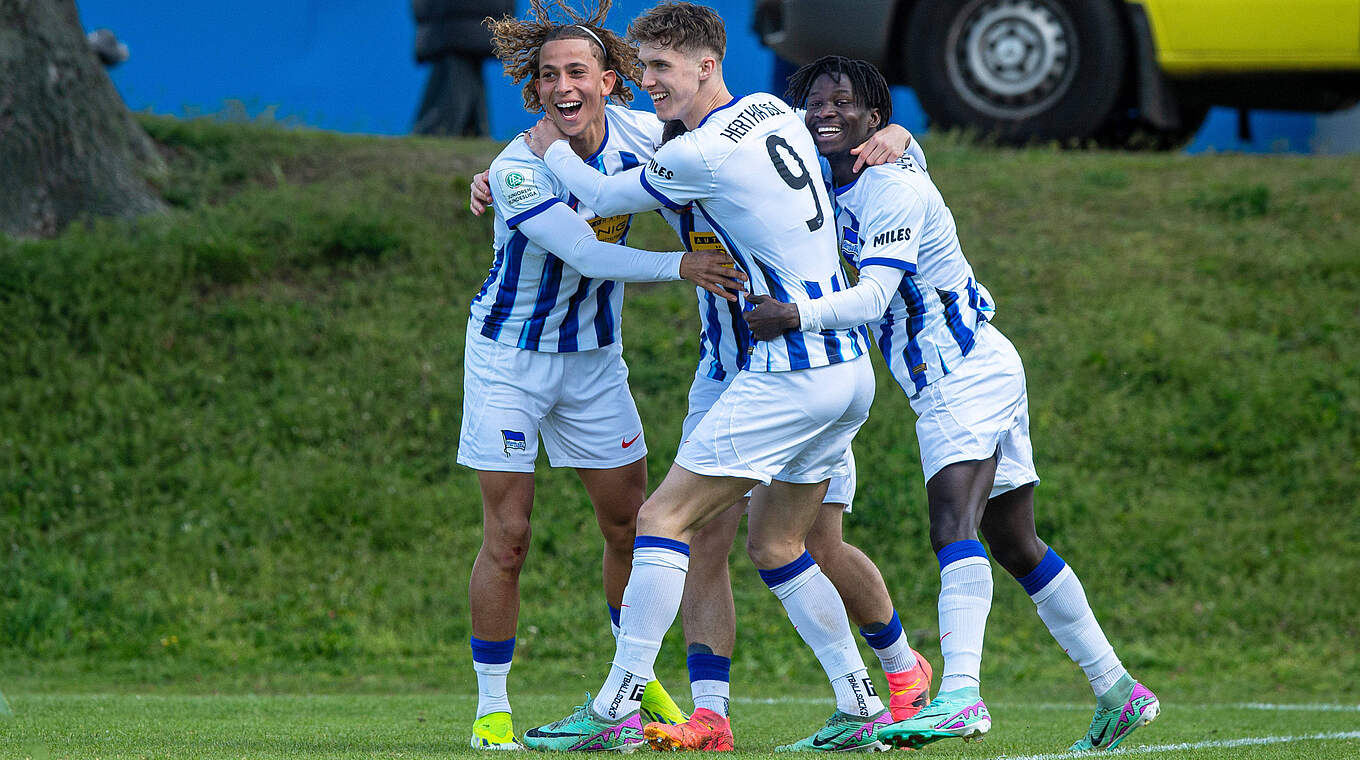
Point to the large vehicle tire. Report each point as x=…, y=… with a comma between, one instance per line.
x=1018, y=70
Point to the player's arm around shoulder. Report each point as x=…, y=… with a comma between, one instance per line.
x=680, y=172
x=606, y=194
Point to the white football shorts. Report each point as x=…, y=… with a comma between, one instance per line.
x=578, y=402
x=977, y=408
x=790, y=426
x=704, y=391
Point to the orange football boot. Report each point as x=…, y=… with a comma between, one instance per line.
x=909, y=690
x=705, y=731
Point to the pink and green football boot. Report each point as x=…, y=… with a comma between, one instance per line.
x=844, y=732
x=585, y=731
x=958, y=713
x=1115, y=719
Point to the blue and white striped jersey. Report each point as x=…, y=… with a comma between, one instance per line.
x=531, y=298
x=752, y=172
x=892, y=215
x=724, y=338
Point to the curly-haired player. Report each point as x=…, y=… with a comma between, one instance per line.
x=542, y=354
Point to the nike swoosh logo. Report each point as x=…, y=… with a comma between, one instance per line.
x=540, y=734
x=913, y=685
x=626, y=444
x=1100, y=739
x=817, y=741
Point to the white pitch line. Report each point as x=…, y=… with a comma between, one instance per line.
x=1318, y=707
x=1216, y=744
x=1299, y=708
x=1075, y=706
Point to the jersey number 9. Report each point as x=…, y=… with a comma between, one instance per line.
x=797, y=182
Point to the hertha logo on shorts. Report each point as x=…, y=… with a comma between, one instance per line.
x=513, y=440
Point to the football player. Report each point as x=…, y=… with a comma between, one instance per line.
x=932, y=321
x=751, y=170
x=542, y=356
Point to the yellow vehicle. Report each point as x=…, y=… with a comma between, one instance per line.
x=1104, y=69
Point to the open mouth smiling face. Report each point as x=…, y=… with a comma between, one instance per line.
x=573, y=85
x=670, y=78
x=838, y=122
x=568, y=110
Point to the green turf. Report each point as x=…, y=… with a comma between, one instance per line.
x=227, y=433
x=190, y=727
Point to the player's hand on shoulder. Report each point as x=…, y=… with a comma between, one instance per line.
x=771, y=318
x=883, y=147
x=542, y=135
x=713, y=271
x=479, y=197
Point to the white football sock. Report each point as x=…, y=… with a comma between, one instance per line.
x=710, y=677
x=1061, y=602
x=818, y=614
x=491, y=662
x=713, y=695
x=890, y=644
x=650, y=603
x=491, y=691
x=965, y=600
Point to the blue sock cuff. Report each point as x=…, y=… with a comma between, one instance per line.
x=958, y=550
x=614, y=613
x=492, y=652
x=885, y=637
x=1048, y=569
x=709, y=667
x=786, y=573
x=657, y=542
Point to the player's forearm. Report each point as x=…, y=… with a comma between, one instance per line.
x=854, y=306
x=564, y=234
x=611, y=261
x=605, y=194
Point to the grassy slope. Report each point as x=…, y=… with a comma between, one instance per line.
x=227, y=434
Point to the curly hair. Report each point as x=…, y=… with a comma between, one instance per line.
x=687, y=27
x=868, y=84
x=517, y=43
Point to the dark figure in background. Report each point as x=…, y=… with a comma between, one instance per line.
x=450, y=37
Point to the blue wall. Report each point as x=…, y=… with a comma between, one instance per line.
x=347, y=65
x=338, y=64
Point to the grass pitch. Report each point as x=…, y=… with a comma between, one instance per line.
x=145, y=727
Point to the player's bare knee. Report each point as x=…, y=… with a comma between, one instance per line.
x=1017, y=555
x=506, y=545
x=665, y=526
x=949, y=526
x=710, y=541
x=619, y=535
x=767, y=553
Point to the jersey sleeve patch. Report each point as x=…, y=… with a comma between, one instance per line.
x=519, y=186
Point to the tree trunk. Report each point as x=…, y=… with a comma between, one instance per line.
x=68, y=146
